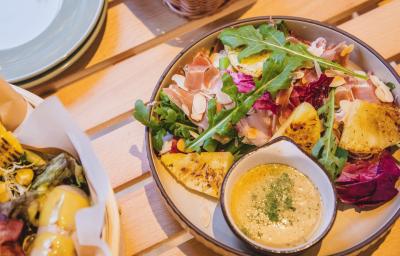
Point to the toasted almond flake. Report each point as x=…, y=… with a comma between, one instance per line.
x=196, y=116
x=337, y=81
x=215, y=57
x=298, y=74
x=317, y=69
x=193, y=134
x=383, y=94
x=166, y=147
x=347, y=50
x=185, y=109
x=376, y=81
x=199, y=104
x=179, y=80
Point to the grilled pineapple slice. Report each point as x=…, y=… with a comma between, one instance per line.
x=303, y=126
x=202, y=172
x=10, y=148
x=370, y=127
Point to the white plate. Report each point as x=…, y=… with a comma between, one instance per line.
x=203, y=217
x=111, y=230
x=36, y=35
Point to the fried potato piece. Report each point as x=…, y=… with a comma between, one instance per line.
x=303, y=126
x=369, y=127
x=202, y=172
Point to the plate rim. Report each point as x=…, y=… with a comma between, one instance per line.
x=47, y=75
x=176, y=212
x=70, y=51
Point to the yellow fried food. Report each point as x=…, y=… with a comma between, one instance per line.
x=202, y=172
x=303, y=126
x=369, y=127
x=10, y=148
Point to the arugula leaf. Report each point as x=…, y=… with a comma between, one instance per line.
x=210, y=145
x=157, y=139
x=390, y=85
x=229, y=87
x=223, y=63
x=141, y=113
x=267, y=37
x=326, y=149
x=211, y=111
x=167, y=118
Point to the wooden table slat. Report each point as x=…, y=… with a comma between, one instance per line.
x=380, y=28
x=144, y=220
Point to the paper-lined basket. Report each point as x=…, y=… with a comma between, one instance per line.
x=111, y=229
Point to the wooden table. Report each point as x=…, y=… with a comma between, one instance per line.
x=138, y=41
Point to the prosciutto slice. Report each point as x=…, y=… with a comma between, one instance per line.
x=256, y=128
x=200, y=74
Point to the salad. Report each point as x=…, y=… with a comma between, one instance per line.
x=258, y=83
x=40, y=193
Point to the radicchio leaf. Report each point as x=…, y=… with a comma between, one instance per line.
x=366, y=184
x=265, y=102
x=313, y=93
x=245, y=84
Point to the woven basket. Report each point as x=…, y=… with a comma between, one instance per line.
x=194, y=9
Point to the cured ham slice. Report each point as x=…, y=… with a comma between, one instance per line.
x=200, y=74
x=256, y=128
x=365, y=91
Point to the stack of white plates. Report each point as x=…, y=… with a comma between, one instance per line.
x=41, y=38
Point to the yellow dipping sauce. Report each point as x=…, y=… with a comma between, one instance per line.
x=276, y=205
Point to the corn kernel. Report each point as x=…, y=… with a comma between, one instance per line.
x=4, y=194
x=24, y=176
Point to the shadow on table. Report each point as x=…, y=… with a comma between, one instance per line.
x=141, y=154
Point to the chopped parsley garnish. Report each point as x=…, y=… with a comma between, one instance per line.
x=279, y=197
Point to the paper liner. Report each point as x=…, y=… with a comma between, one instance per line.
x=50, y=126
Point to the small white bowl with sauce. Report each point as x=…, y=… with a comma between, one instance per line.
x=278, y=200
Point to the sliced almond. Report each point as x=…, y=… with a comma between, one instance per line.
x=179, y=80
x=199, y=104
x=298, y=74
x=337, y=81
x=383, y=94
x=317, y=69
x=185, y=109
x=347, y=50
x=193, y=134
